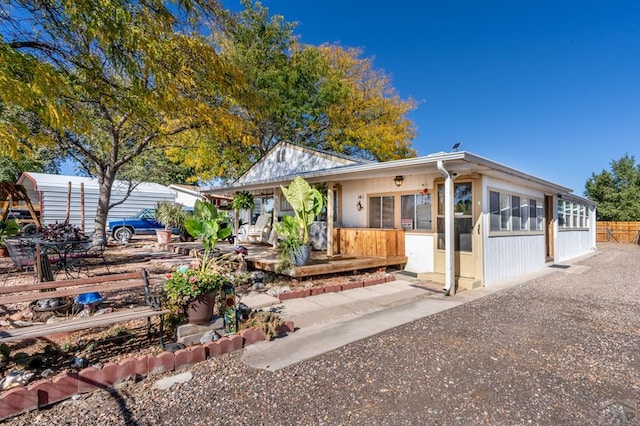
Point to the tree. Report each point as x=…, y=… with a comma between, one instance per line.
x=323, y=97
x=617, y=192
x=111, y=82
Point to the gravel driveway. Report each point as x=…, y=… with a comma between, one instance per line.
x=561, y=349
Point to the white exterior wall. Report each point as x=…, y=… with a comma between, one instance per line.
x=509, y=256
x=419, y=252
x=52, y=192
x=572, y=243
x=187, y=200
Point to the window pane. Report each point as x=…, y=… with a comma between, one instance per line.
x=494, y=211
x=375, y=212
x=440, y=200
x=407, y=211
x=567, y=214
x=423, y=211
x=524, y=214
x=532, y=214
x=505, y=216
x=539, y=216
x=387, y=212
x=463, y=233
x=463, y=198
x=561, y=219
x=515, y=213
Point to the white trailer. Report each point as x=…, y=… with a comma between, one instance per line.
x=55, y=195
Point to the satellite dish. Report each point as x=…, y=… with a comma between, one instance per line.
x=455, y=146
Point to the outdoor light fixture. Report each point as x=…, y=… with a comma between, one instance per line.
x=398, y=180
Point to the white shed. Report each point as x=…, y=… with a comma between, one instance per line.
x=51, y=192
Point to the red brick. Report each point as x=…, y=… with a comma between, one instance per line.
x=317, y=290
x=114, y=373
x=333, y=288
x=235, y=342
x=286, y=327
x=17, y=400
x=252, y=335
x=286, y=296
x=90, y=379
x=352, y=284
x=164, y=361
x=219, y=347
x=389, y=278
x=374, y=281
x=303, y=292
x=49, y=392
x=189, y=356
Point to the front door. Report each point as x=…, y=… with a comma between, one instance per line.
x=465, y=239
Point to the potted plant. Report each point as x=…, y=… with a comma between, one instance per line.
x=190, y=291
x=8, y=228
x=171, y=215
x=306, y=202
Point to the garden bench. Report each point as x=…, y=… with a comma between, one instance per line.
x=102, y=284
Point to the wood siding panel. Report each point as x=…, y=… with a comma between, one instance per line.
x=369, y=242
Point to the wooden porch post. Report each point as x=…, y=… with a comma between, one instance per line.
x=330, y=208
x=277, y=193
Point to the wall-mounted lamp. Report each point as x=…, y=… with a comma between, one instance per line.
x=359, y=206
x=398, y=180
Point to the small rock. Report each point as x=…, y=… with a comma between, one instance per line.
x=47, y=373
x=275, y=291
x=173, y=347
x=209, y=336
x=14, y=379
x=258, y=286
x=167, y=382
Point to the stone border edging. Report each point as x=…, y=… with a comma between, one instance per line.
x=334, y=288
x=45, y=392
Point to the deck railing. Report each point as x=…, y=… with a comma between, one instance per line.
x=369, y=242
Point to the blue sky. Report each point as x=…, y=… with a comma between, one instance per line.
x=549, y=87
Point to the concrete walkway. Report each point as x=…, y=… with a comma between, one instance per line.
x=328, y=321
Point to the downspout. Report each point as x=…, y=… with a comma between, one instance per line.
x=449, y=249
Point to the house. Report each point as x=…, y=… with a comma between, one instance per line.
x=456, y=216
x=58, y=197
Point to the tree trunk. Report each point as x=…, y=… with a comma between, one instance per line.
x=105, y=182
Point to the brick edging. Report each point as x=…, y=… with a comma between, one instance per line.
x=44, y=392
x=334, y=288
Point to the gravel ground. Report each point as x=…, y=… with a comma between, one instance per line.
x=561, y=349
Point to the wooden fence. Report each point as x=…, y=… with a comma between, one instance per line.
x=620, y=232
x=369, y=242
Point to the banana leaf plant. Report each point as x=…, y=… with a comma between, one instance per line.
x=307, y=203
x=208, y=224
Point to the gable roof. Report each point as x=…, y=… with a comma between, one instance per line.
x=287, y=159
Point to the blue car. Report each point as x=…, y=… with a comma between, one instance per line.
x=143, y=223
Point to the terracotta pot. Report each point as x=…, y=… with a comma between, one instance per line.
x=201, y=310
x=164, y=236
x=4, y=252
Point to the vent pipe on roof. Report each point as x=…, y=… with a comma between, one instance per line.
x=449, y=248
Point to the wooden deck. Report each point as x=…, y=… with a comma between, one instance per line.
x=265, y=258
